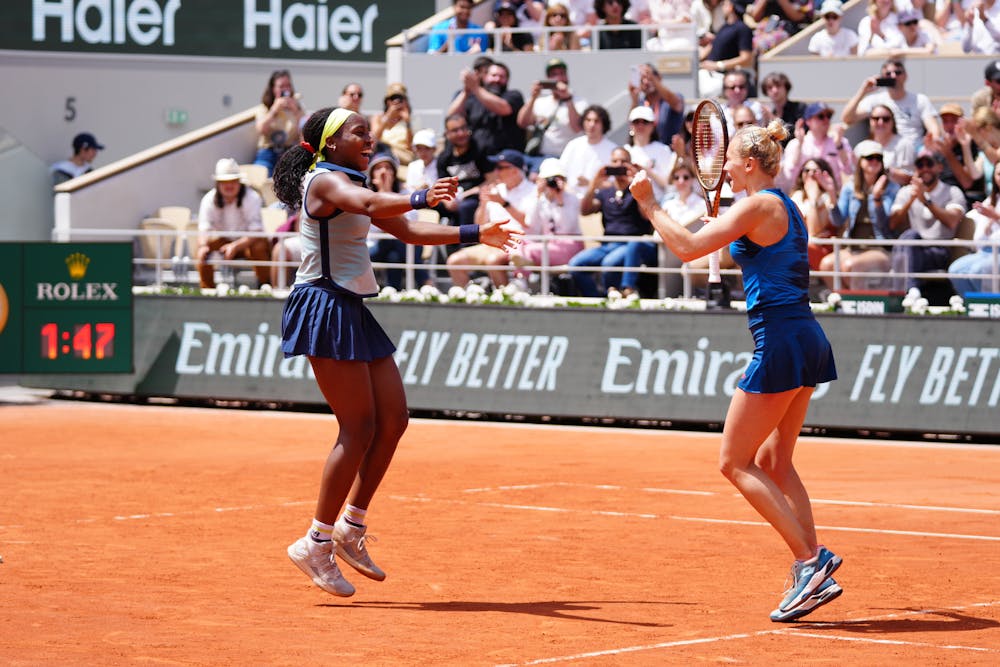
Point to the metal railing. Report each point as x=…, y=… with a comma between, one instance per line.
x=179, y=268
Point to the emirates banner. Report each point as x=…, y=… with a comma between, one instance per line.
x=896, y=372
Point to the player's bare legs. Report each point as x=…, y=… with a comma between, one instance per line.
x=750, y=421
x=775, y=459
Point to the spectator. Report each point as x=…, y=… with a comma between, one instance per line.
x=815, y=193
x=684, y=203
x=681, y=143
x=491, y=109
x=391, y=128
x=984, y=128
x=351, y=96
x=743, y=117
x=227, y=209
x=731, y=48
x=584, y=156
x=708, y=17
x=932, y=210
x=913, y=111
x=620, y=216
x=383, y=177
x=647, y=151
x=85, y=147
x=815, y=138
x=552, y=110
x=862, y=212
x=989, y=95
x=505, y=196
x=471, y=42
x=736, y=93
x=963, y=161
x=563, y=36
x=463, y=159
x=669, y=16
x=879, y=29
x=529, y=14
x=505, y=16
x=278, y=118
x=553, y=211
x=286, y=249
x=612, y=13
x=897, y=153
x=986, y=216
x=777, y=20
x=833, y=40
x=950, y=17
x=916, y=39
x=423, y=170
x=981, y=29
x=650, y=91
x=777, y=87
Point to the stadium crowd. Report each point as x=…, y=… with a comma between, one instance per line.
x=541, y=157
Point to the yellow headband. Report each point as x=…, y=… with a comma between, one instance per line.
x=334, y=121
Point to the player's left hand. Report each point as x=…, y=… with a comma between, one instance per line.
x=503, y=234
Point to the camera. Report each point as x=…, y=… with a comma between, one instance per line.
x=552, y=182
x=615, y=171
x=885, y=81
x=286, y=93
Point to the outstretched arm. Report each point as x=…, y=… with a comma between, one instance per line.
x=330, y=192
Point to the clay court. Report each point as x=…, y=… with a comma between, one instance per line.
x=156, y=536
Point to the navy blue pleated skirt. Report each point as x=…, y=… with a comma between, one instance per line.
x=322, y=319
x=790, y=351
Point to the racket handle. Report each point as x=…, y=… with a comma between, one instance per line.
x=713, y=267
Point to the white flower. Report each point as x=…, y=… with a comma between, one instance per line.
x=443, y=298
x=266, y=288
x=456, y=293
x=920, y=306
x=222, y=289
x=522, y=299
x=613, y=294
x=913, y=292
x=387, y=291
x=497, y=296
x=413, y=295
x=956, y=302
x=472, y=296
x=430, y=290
x=395, y=297
x=243, y=290
x=833, y=298
x=475, y=288
x=632, y=298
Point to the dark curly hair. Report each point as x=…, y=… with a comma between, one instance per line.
x=294, y=162
x=599, y=8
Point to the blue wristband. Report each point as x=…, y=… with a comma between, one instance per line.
x=418, y=199
x=468, y=233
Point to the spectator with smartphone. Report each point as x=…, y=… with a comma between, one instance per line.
x=914, y=113
x=646, y=88
x=609, y=195
x=552, y=110
x=278, y=118
x=392, y=127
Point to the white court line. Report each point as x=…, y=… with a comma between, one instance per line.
x=845, y=529
x=532, y=508
x=815, y=501
x=790, y=632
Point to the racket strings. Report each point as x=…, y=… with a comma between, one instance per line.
x=709, y=146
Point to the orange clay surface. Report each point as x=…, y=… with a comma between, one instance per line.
x=156, y=536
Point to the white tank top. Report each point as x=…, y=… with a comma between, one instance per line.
x=345, y=250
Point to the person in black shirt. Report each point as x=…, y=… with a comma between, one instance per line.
x=612, y=12
x=462, y=159
x=490, y=109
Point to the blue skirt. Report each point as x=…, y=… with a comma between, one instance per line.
x=322, y=319
x=790, y=351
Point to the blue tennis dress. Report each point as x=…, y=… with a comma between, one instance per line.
x=325, y=314
x=790, y=348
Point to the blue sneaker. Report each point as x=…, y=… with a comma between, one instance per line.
x=807, y=577
x=828, y=591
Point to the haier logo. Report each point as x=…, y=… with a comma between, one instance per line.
x=141, y=22
x=305, y=27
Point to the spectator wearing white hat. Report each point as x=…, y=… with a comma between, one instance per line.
x=226, y=210
x=647, y=151
x=423, y=170
x=553, y=211
x=833, y=40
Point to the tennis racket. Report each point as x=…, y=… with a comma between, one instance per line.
x=709, y=141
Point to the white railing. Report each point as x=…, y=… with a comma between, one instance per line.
x=180, y=269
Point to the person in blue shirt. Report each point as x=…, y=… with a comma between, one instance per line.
x=464, y=43
x=767, y=238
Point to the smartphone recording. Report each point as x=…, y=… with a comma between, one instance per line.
x=885, y=82
x=615, y=171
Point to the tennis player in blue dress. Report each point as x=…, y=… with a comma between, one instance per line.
x=325, y=318
x=767, y=238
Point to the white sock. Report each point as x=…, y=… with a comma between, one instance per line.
x=320, y=532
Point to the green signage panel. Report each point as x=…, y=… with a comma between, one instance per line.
x=66, y=308
x=312, y=30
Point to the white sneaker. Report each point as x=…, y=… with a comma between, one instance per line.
x=315, y=559
x=350, y=541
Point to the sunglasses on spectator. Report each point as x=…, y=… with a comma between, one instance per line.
x=745, y=123
x=831, y=17
x=826, y=115
x=736, y=86
x=908, y=23
x=397, y=98
x=873, y=158
x=895, y=72
x=925, y=163
x=881, y=119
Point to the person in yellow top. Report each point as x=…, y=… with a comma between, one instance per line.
x=278, y=119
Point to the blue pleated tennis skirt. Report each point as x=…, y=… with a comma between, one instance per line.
x=790, y=351
x=322, y=319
